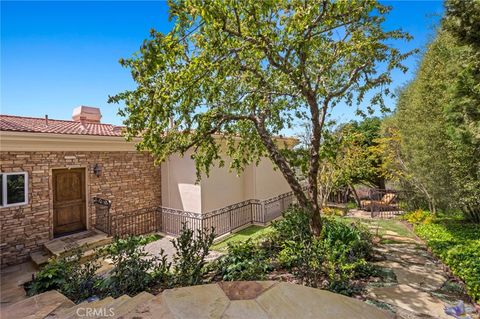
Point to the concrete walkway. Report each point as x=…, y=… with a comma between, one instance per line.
x=154, y=248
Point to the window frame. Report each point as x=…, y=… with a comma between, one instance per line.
x=5, y=190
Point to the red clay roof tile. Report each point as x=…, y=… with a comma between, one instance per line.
x=39, y=125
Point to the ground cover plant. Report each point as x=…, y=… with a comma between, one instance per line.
x=457, y=244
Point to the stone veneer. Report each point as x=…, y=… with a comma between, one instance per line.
x=129, y=179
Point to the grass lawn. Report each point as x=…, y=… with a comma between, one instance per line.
x=251, y=232
x=385, y=225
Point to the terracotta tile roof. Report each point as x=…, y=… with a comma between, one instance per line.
x=39, y=125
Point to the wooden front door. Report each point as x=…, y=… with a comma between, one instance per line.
x=69, y=209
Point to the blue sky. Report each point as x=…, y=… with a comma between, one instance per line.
x=57, y=55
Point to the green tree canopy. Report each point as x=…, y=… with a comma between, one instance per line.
x=438, y=115
x=246, y=70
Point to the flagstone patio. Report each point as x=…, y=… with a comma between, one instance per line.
x=261, y=299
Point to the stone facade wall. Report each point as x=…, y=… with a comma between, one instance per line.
x=129, y=179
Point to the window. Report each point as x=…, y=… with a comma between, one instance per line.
x=13, y=189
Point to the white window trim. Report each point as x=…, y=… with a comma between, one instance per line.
x=4, y=189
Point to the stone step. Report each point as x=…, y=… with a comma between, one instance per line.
x=60, y=312
x=120, y=300
x=40, y=258
x=39, y=306
x=85, y=309
x=86, y=240
x=116, y=303
x=132, y=304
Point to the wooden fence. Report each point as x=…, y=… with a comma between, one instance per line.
x=169, y=220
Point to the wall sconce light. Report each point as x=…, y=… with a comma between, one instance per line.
x=97, y=170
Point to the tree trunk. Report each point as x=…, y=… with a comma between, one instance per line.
x=283, y=166
x=314, y=161
x=380, y=183
x=354, y=191
x=316, y=222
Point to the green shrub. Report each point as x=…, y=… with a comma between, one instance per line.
x=244, y=261
x=339, y=255
x=74, y=279
x=189, y=259
x=134, y=269
x=351, y=205
x=418, y=216
x=329, y=211
x=293, y=226
x=346, y=249
x=352, y=239
x=292, y=241
x=457, y=244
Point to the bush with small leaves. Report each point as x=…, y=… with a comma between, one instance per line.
x=418, y=216
x=134, y=269
x=244, y=261
x=190, y=255
x=74, y=279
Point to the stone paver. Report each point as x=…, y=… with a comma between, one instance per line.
x=255, y=300
x=286, y=300
x=197, y=302
x=241, y=309
x=155, y=247
x=244, y=290
x=12, y=280
x=37, y=307
x=419, y=278
x=411, y=299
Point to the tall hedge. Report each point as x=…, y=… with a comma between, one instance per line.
x=438, y=116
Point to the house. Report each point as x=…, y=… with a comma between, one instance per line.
x=51, y=171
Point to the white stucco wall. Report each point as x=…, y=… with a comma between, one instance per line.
x=268, y=182
x=221, y=188
x=178, y=184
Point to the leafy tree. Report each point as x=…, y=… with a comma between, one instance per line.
x=345, y=160
x=462, y=20
x=351, y=154
x=242, y=71
x=438, y=115
x=422, y=124
x=368, y=172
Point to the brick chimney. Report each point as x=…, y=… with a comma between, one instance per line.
x=86, y=114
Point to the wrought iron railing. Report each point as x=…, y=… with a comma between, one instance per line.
x=103, y=221
x=385, y=203
x=139, y=222
x=170, y=221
